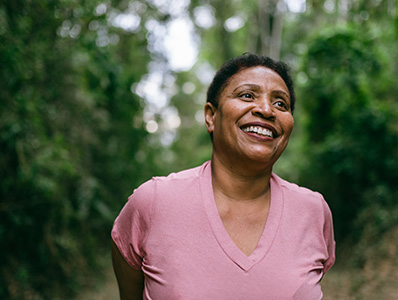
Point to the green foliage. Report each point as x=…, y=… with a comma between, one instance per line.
x=351, y=130
x=68, y=142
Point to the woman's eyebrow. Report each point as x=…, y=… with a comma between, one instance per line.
x=280, y=92
x=249, y=85
x=257, y=87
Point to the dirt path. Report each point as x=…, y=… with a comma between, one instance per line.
x=105, y=289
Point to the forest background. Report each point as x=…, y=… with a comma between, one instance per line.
x=98, y=96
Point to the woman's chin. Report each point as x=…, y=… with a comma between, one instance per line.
x=262, y=155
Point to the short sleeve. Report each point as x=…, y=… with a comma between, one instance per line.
x=329, y=237
x=131, y=227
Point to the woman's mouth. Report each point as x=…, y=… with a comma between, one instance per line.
x=258, y=130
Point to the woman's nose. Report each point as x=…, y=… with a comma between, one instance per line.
x=264, y=109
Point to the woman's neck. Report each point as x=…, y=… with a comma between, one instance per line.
x=240, y=182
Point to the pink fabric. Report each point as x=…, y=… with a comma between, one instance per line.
x=170, y=228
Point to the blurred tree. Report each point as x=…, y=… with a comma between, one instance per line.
x=351, y=129
x=268, y=32
x=70, y=128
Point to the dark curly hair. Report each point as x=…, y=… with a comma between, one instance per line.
x=245, y=61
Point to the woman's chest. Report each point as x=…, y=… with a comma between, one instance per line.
x=189, y=261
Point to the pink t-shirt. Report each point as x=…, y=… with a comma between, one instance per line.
x=171, y=230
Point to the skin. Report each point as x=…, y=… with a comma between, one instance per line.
x=130, y=281
x=242, y=162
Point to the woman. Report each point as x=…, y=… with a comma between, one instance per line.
x=229, y=229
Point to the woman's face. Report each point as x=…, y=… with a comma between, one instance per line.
x=253, y=120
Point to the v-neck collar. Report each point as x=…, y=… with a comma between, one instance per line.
x=226, y=243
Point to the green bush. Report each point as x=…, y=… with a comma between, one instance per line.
x=350, y=125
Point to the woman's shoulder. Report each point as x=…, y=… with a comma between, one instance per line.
x=296, y=193
x=184, y=174
x=145, y=197
x=302, y=198
x=293, y=187
x=175, y=178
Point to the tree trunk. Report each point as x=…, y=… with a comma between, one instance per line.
x=266, y=32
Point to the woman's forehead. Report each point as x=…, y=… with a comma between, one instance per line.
x=258, y=75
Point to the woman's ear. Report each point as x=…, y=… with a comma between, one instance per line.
x=210, y=114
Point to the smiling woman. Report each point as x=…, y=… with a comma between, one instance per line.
x=231, y=228
x=256, y=100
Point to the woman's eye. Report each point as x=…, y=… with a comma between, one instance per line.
x=246, y=96
x=281, y=104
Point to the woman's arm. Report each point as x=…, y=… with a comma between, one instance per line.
x=130, y=281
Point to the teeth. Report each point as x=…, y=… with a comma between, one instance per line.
x=258, y=130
